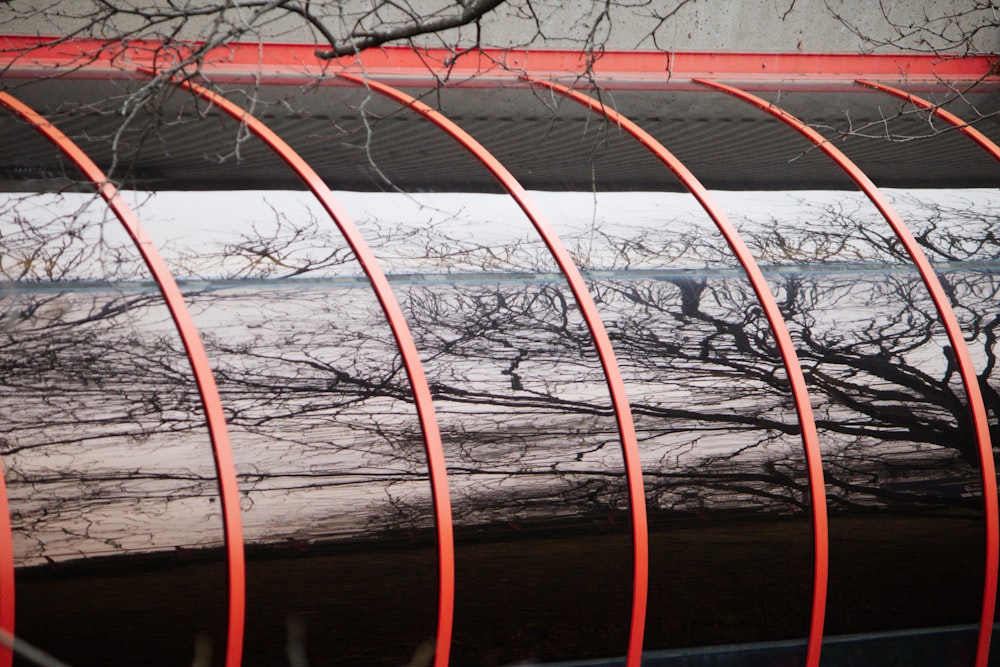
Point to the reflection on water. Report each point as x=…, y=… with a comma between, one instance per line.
x=106, y=453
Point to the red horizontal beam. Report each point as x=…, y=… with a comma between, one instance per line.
x=30, y=57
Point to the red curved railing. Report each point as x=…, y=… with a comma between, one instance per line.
x=616, y=386
x=810, y=438
x=7, y=584
x=199, y=365
x=407, y=349
x=943, y=114
x=954, y=332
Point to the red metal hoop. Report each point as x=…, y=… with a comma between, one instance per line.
x=211, y=402
x=407, y=348
x=616, y=386
x=954, y=331
x=810, y=438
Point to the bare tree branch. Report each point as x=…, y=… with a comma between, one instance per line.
x=359, y=40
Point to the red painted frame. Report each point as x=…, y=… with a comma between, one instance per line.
x=29, y=56
x=207, y=388
x=964, y=359
x=936, y=109
x=616, y=386
x=404, y=340
x=810, y=438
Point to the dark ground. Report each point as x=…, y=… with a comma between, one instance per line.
x=526, y=592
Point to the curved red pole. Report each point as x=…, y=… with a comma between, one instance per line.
x=616, y=386
x=954, y=331
x=7, y=584
x=810, y=438
x=407, y=349
x=211, y=402
x=941, y=113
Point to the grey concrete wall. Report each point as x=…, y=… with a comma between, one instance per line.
x=815, y=26
x=809, y=26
